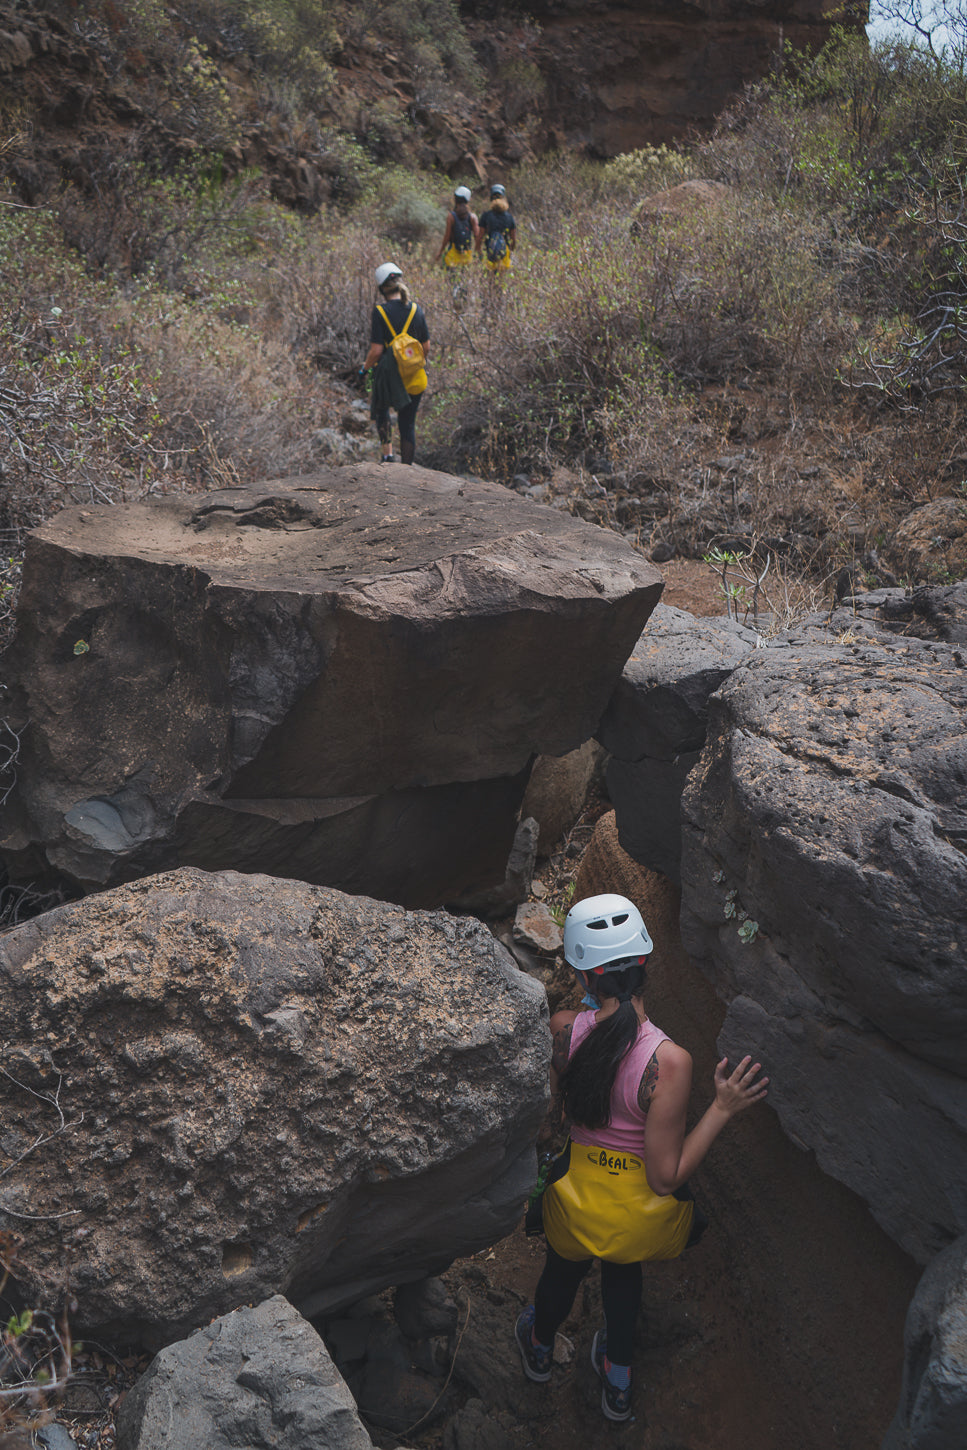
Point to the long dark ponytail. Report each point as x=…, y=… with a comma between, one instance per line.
x=588, y=1080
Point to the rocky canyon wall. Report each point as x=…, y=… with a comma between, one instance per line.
x=620, y=76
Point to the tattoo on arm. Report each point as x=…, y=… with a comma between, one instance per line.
x=553, y=1120
x=649, y=1081
x=561, y=1049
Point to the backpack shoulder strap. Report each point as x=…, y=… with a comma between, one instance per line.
x=406, y=324
x=382, y=313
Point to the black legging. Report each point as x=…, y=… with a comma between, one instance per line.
x=406, y=421
x=620, y=1293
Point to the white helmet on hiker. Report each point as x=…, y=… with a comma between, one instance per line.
x=462, y=193
x=497, y=190
x=602, y=930
x=385, y=271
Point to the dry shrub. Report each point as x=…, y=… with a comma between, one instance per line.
x=229, y=400
x=321, y=295
x=138, y=217
x=524, y=361
x=110, y=394
x=575, y=347
x=739, y=289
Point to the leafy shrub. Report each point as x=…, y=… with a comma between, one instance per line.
x=522, y=87
x=293, y=40
x=142, y=219
x=637, y=174
x=428, y=34
x=384, y=128
x=351, y=170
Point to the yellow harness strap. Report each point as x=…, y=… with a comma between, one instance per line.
x=406, y=324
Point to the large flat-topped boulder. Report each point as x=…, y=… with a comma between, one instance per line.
x=218, y=1088
x=286, y=673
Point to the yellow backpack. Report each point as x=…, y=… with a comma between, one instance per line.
x=409, y=354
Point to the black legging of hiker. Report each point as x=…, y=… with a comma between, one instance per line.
x=405, y=422
x=388, y=390
x=621, y=1286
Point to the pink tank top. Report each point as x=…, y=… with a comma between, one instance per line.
x=627, y=1128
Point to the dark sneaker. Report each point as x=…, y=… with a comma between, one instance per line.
x=535, y=1358
x=615, y=1403
x=387, y=458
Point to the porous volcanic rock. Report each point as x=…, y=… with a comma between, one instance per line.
x=619, y=76
x=259, y=1377
x=930, y=612
x=654, y=726
x=932, y=539
x=341, y=678
x=255, y=1086
x=933, y=612
x=932, y=1414
x=824, y=881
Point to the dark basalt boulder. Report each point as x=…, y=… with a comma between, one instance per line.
x=655, y=723
x=932, y=1414
x=259, y=1377
x=824, y=878
x=220, y=1088
x=343, y=678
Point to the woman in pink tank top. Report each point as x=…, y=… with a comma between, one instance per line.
x=623, y=1086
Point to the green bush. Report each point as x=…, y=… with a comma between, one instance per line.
x=141, y=219
x=637, y=174
x=522, y=87
x=428, y=34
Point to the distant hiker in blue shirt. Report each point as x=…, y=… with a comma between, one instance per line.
x=497, y=233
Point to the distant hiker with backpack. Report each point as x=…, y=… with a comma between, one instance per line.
x=461, y=232
x=497, y=233
x=398, y=345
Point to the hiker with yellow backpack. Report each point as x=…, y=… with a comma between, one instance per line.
x=398, y=344
x=460, y=233
x=497, y=232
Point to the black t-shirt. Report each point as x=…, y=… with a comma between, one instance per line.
x=398, y=311
x=497, y=221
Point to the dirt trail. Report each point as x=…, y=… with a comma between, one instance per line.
x=783, y=1329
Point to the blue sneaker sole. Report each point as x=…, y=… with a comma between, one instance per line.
x=606, y=1409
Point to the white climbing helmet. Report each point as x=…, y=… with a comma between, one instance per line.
x=497, y=190
x=604, y=929
x=462, y=193
x=385, y=271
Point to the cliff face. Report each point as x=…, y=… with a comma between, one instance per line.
x=619, y=76
x=583, y=75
